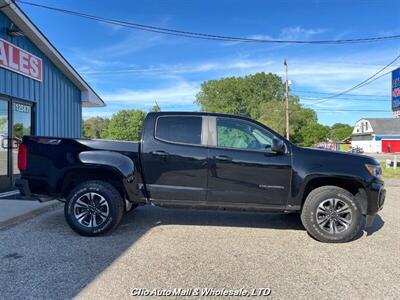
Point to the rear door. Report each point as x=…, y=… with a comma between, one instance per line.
x=174, y=159
x=243, y=169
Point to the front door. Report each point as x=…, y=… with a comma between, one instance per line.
x=22, y=125
x=15, y=122
x=174, y=160
x=243, y=169
x=5, y=177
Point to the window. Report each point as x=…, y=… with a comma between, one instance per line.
x=234, y=133
x=179, y=129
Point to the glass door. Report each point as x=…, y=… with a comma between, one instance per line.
x=22, y=125
x=15, y=122
x=5, y=178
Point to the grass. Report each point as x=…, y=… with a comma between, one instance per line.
x=390, y=172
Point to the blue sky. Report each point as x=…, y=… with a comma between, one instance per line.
x=132, y=69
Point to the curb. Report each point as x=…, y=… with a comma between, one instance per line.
x=28, y=215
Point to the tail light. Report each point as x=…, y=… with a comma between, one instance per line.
x=22, y=157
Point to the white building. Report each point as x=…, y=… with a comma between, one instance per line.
x=377, y=135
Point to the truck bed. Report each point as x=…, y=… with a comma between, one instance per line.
x=51, y=158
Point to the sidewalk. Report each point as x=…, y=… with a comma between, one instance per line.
x=13, y=211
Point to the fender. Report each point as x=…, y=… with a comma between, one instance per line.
x=119, y=162
x=299, y=186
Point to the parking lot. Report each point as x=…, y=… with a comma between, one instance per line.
x=160, y=248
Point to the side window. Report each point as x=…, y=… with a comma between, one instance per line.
x=179, y=129
x=234, y=133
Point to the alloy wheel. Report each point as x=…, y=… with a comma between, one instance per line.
x=334, y=215
x=91, y=210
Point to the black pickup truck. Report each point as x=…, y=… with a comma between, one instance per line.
x=202, y=160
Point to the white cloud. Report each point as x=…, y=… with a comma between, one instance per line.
x=234, y=64
x=182, y=92
x=173, y=86
x=287, y=33
x=319, y=75
x=298, y=32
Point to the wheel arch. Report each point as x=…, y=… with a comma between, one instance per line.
x=74, y=176
x=352, y=185
x=112, y=167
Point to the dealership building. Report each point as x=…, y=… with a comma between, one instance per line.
x=40, y=92
x=377, y=135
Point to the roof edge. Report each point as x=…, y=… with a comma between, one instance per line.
x=89, y=97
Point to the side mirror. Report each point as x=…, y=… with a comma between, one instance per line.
x=278, y=146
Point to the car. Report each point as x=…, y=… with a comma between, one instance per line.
x=204, y=161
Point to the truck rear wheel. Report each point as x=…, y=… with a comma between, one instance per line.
x=331, y=214
x=93, y=208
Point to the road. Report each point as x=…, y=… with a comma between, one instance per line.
x=160, y=248
x=382, y=157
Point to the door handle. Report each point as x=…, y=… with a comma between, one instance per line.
x=3, y=144
x=15, y=142
x=160, y=153
x=223, y=157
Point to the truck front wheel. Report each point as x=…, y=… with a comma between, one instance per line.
x=93, y=208
x=332, y=214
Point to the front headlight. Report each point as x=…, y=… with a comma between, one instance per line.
x=374, y=170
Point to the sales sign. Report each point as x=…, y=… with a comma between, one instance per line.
x=396, y=90
x=20, y=61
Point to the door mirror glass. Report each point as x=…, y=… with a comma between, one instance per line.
x=278, y=146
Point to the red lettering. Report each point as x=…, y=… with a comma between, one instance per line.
x=20, y=61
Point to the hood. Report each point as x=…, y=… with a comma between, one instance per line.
x=329, y=154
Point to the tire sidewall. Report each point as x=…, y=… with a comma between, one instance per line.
x=311, y=216
x=101, y=189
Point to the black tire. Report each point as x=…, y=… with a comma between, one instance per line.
x=104, y=209
x=331, y=214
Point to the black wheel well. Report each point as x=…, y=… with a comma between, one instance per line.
x=74, y=177
x=351, y=185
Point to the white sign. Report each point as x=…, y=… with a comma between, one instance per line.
x=20, y=61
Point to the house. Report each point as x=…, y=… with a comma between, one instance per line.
x=377, y=135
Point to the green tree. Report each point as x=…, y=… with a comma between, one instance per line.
x=95, y=127
x=155, y=107
x=260, y=96
x=240, y=95
x=3, y=124
x=313, y=133
x=273, y=115
x=126, y=125
x=339, y=131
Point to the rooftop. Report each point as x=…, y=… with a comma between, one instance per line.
x=21, y=20
x=385, y=126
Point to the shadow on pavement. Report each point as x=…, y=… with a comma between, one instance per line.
x=45, y=257
x=376, y=226
x=153, y=216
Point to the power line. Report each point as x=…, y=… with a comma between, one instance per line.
x=206, y=36
x=352, y=110
x=365, y=82
x=352, y=99
x=324, y=93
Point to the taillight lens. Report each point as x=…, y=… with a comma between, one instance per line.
x=22, y=157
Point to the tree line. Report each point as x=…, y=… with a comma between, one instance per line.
x=260, y=96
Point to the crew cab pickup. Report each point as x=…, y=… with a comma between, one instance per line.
x=202, y=160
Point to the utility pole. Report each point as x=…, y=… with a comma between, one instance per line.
x=287, y=99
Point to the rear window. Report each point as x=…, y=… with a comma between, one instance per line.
x=179, y=129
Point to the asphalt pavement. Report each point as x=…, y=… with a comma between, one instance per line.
x=160, y=248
